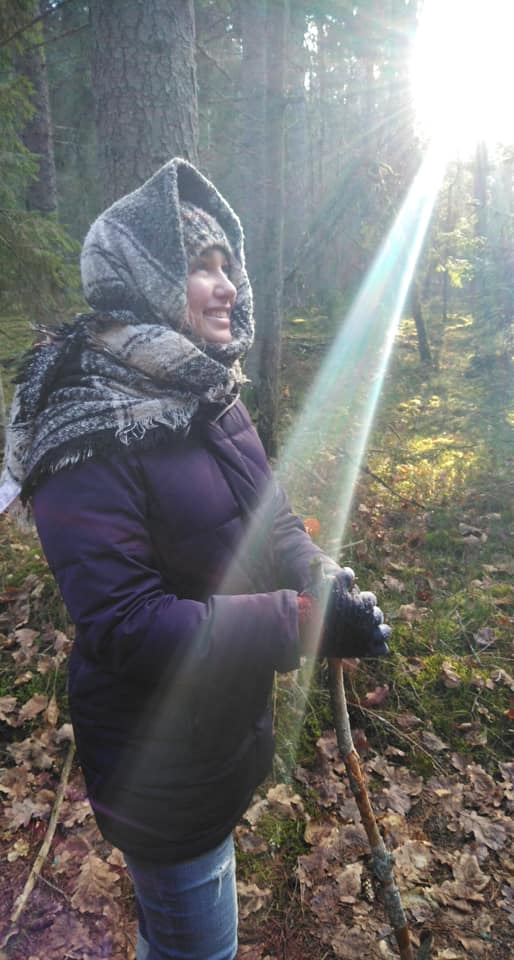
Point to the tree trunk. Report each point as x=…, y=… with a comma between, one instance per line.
x=144, y=85
x=37, y=136
x=425, y=353
x=274, y=228
x=251, y=168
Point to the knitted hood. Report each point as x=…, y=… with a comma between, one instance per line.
x=134, y=257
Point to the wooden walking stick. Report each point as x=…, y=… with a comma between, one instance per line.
x=382, y=859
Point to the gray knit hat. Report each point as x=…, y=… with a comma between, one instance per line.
x=136, y=254
x=200, y=231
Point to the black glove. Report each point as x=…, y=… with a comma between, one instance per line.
x=353, y=624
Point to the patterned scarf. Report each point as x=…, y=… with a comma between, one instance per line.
x=114, y=377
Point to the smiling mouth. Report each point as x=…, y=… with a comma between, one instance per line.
x=218, y=315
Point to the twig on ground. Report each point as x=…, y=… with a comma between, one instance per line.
x=37, y=866
x=382, y=859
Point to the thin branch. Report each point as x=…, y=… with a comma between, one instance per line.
x=32, y=23
x=381, y=858
x=213, y=60
x=37, y=866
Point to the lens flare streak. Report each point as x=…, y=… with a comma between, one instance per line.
x=339, y=410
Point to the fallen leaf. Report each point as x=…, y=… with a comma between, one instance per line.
x=484, y=637
x=323, y=833
x=251, y=898
x=284, y=802
x=21, y=812
x=490, y=833
x=250, y=842
x=449, y=675
x=432, y=742
x=412, y=860
x=392, y=583
x=23, y=678
x=96, y=881
x=467, y=871
x=256, y=811
x=408, y=721
x=52, y=712
x=411, y=613
x=349, y=882
x=376, y=697
x=16, y=781
x=19, y=849
x=32, y=707
x=7, y=705
x=354, y=944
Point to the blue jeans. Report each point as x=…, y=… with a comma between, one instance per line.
x=188, y=910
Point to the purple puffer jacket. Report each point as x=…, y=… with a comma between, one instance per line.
x=176, y=644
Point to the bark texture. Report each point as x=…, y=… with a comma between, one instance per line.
x=272, y=288
x=37, y=136
x=251, y=168
x=144, y=85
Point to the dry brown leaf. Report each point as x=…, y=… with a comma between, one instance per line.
x=256, y=811
x=15, y=782
x=474, y=947
x=349, y=882
x=38, y=751
x=474, y=733
x=449, y=675
x=64, y=734
x=394, y=828
x=45, y=663
x=503, y=678
x=490, y=833
x=411, y=613
x=484, y=637
x=508, y=901
x=73, y=812
x=32, y=708
x=52, y=712
x=397, y=799
x=408, y=721
x=466, y=870
x=324, y=904
x=96, y=882
x=21, y=812
x=250, y=842
x=413, y=860
x=251, y=898
x=7, y=706
x=353, y=842
x=285, y=803
x=392, y=583
x=485, y=790
x=323, y=833
x=19, y=849
x=432, y=742
x=354, y=944
x=376, y=697
x=23, y=678
x=25, y=638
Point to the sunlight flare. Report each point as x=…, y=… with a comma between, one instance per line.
x=462, y=73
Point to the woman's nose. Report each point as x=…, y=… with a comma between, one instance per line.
x=225, y=288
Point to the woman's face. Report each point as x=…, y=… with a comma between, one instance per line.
x=211, y=297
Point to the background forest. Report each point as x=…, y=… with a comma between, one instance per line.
x=302, y=114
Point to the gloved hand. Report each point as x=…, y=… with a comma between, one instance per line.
x=353, y=625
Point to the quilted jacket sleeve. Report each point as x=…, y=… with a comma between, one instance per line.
x=293, y=548
x=92, y=525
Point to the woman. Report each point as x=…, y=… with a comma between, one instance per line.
x=188, y=578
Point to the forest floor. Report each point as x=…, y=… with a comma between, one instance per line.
x=432, y=529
